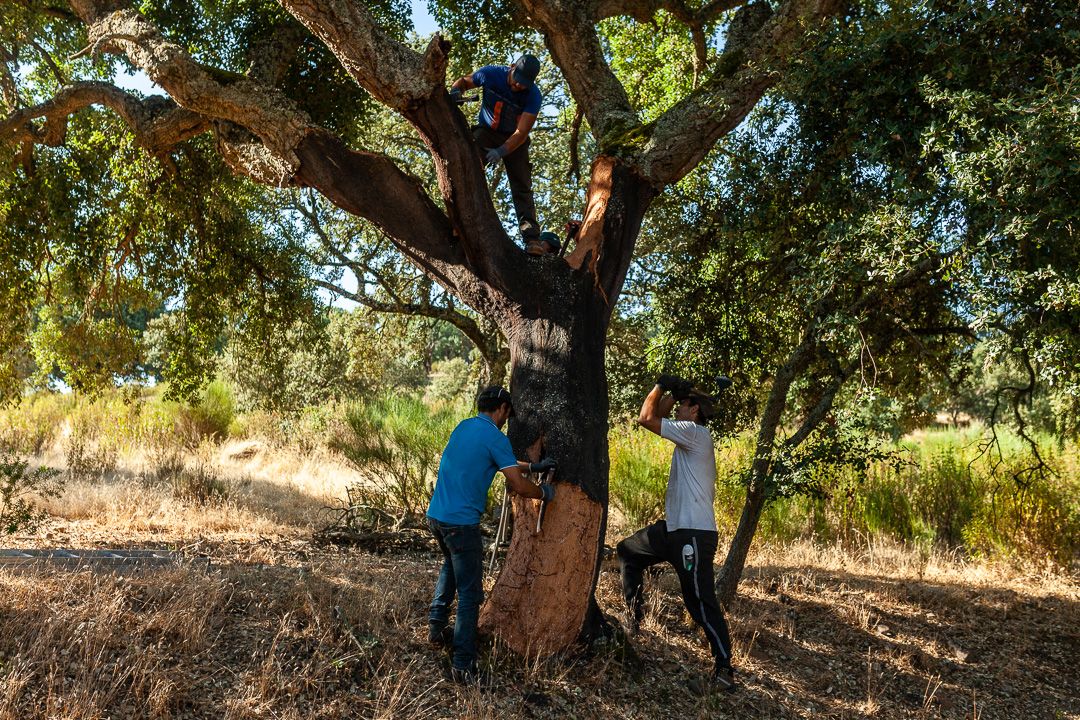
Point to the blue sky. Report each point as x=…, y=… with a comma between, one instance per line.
x=422, y=20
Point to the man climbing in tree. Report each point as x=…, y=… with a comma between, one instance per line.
x=476, y=450
x=687, y=537
x=508, y=110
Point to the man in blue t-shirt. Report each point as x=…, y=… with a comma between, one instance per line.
x=477, y=449
x=508, y=110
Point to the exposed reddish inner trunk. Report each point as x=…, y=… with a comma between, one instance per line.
x=540, y=599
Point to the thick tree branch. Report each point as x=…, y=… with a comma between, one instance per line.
x=262, y=110
x=684, y=134
x=485, y=340
x=644, y=10
x=413, y=84
x=395, y=74
x=569, y=29
x=263, y=134
x=271, y=58
x=157, y=123
x=9, y=91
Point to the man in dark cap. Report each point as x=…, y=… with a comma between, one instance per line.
x=687, y=538
x=477, y=449
x=511, y=100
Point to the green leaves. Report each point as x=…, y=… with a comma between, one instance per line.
x=909, y=188
x=18, y=484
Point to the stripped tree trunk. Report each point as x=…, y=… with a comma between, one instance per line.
x=560, y=396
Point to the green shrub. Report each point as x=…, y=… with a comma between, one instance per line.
x=399, y=440
x=17, y=486
x=32, y=425
x=945, y=491
x=451, y=381
x=90, y=451
x=639, y=472
x=200, y=485
x=209, y=418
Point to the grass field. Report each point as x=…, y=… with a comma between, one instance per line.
x=260, y=623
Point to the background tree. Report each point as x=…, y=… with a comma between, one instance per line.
x=901, y=197
x=857, y=228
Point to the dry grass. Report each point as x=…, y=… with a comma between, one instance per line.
x=234, y=491
x=274, y=627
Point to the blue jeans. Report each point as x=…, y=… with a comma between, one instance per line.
x=462, y=572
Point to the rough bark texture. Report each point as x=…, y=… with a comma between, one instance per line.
x=560, y=394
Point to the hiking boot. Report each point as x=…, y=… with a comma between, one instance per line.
x=440, y=635
x=471, y=678
x=536, y=247
x=722, y=680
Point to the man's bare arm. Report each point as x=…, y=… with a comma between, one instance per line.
x=464, y=83
x=657, y=406
x=515, y=480
x=521, y=132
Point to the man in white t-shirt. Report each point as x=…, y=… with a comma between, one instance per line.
x=686, y=538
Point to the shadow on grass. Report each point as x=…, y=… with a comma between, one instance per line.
x=857, y=642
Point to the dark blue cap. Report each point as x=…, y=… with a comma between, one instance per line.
x=551, y=239
x=498, y=394
x=525, y=70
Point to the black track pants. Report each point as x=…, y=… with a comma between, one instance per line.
x=518, y=174
x=654, y=545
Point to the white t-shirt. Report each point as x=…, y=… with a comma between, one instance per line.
x=692, y=479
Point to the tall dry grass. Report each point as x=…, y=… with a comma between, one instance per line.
x=941, y=489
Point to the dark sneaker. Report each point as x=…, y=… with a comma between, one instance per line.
x=440, y=635
x=536, y=247
x=470, y=678
x=722, y=680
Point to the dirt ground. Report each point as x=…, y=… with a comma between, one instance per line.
x=275, y=627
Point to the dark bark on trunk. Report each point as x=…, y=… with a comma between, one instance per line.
x=540, y=600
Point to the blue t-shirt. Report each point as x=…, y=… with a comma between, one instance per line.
x=475, y=452
x=501, y=107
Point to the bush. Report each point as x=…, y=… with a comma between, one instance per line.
x=452, y=381
x=639, y=473
x=30, y=427
x=17, y=485
x=400, y=440
x=89, y=452
x=200, y=485
x=944, y=492
x=210, y=418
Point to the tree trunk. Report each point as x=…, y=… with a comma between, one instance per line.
x=543, y=599
x=542, y=595
x=727, y=580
